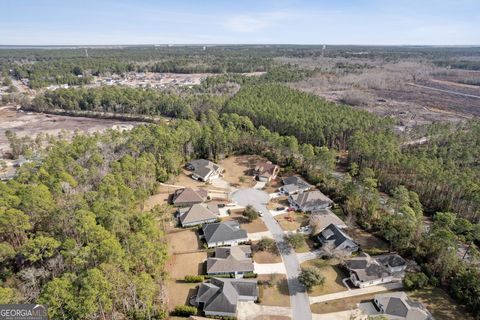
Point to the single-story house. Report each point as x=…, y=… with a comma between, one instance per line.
x=235, y=260
x=204, y=170
x=188, y=197
x=197, y=214
x=294, y=184
x=220, y=296
x=368, y=271
x=335, y=240
x=323, y=218
x=226, y=233
x=266, y=171
x=396, y=306
x=310, y=201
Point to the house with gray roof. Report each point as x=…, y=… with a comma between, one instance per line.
x=334, y=240
x=368, y=271
x=204, y=170
x=266, y=171
x=234, y=260
x=226, y=233
x=294, y=184
x=197, y=214
x=310, y=201
x=220, y=296
x=187, y=197
x=395, y=306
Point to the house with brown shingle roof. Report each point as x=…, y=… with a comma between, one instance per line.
x=235, y=260
x=188, y=197
x=310, y=201
x=197, y=214
x=266, y=171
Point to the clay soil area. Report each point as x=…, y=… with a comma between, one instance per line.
x=31, y=124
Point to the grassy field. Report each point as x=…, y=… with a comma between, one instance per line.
x=266, y=256
x=333, y=277
x=179, y=293
x=440, y=304
x=275, y=295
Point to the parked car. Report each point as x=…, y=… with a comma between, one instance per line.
x=280, y=208
x=221, y=205
x=305, y=229
x=291, y=209
x=260, y=213
x=231, y=204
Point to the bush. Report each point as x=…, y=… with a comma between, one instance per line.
x=193, y=279
x=266, y=244
x=184, y=311
x=417, y=280
x=250, y=213
x=296, y=240
x=311, y=277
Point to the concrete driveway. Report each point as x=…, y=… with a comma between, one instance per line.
x=269, y=268
x=298, y=294
x=356, y=292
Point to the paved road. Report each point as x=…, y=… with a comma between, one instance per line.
x=298, y=295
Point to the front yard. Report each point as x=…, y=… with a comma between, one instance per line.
x=256, y=225
x=333, y=277
x=272, y=256
x=291, y=221
x=238, y=170
x=273, y=290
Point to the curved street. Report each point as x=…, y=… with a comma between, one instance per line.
x=299, y=300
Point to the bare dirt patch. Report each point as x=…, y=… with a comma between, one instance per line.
x=275, y=293
x=333, y=277
x=256, y=225
x=238, y=170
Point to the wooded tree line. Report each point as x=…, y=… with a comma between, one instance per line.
x=72, y=231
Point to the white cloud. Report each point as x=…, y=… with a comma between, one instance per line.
x=256, y=21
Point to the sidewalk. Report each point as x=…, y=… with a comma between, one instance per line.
x=259, y=235
x=269, y=268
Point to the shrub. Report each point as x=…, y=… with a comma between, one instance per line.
x=311, y=277
x=193, y=279
x=184, y=311
x=296, y=240
x=250, y=213
x=266, y=244
x=417, y=280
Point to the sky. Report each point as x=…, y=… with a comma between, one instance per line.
x=109, y=22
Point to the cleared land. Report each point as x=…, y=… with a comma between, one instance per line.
x=333, y=277
x=275, y=295
x=31, y=124
x=238, y=170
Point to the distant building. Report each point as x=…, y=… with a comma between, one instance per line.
x=219, y=297
x=334, y=240
x=204, y=170
x=235, y=260
x=226, y=233
x=310, y=201
x=197, y=214
x=395, y=306
x=368, y=271
x=266, y=171
x=294, y=184
x=188, y=197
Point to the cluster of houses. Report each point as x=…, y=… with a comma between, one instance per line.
x=232, y=258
